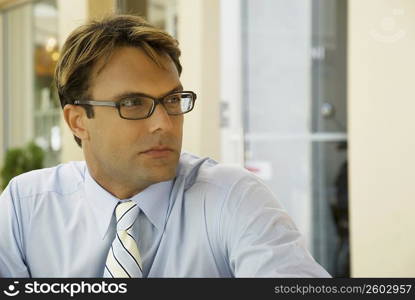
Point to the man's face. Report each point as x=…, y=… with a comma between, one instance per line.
x=117, y=149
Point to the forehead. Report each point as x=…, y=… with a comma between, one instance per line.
x=130, y=69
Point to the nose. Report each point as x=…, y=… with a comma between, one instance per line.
x=160, y=120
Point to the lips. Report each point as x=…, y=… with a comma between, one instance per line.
x=158, y=152
x=159, y=148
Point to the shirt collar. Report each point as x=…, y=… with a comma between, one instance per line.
x=153, y=201
x=102, y=203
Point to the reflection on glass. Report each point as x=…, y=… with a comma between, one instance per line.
x=330, y=207
x=46, y=108
x=329, y=120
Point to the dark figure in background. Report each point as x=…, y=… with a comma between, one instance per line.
x=341, y=218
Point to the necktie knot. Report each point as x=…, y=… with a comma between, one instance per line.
x=126, y=214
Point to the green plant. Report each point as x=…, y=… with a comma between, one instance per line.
x=21, y=160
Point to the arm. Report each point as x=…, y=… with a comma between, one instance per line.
x=11, y=254
x=260, y=238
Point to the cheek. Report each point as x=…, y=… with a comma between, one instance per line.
x=109, y=135
x=178, y=125
x=177, y=132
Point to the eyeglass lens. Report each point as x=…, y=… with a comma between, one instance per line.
x=140, y=107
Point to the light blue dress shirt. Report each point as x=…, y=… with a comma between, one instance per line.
x=212, y=220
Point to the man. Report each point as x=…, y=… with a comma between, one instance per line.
x=138, y=206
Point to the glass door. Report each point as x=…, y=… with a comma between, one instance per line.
x=294, y=112
x=329, y=128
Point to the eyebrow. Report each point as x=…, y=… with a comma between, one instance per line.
x=125, y=95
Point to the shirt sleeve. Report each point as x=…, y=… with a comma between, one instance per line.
x=261, y=240
x=12, y=262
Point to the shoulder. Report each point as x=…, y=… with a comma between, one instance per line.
x=229, y=186
x=222, y=185
x=62, y=179
x=207, y=171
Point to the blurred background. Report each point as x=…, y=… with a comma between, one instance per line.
x=316, y=97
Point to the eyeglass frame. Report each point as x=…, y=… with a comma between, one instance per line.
x=156, y=101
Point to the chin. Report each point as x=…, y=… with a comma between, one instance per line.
x=161, y=175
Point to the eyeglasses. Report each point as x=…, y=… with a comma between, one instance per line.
x=142, y=106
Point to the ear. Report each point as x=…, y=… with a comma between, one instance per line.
x=75, y=117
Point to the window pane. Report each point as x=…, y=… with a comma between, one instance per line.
x=47, y=108
x=31, y=53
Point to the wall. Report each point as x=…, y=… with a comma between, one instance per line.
x=97, y=8
x=198, y=35
x=71, y=15
x=381, y=135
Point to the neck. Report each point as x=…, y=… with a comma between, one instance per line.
x=121, y=190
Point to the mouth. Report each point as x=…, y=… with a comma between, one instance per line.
x=158, y=152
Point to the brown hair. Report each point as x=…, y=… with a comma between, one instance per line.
x=97, y=40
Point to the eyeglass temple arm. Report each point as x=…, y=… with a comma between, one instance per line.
x=96, y=103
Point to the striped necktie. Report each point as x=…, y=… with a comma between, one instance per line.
x=123, y=260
